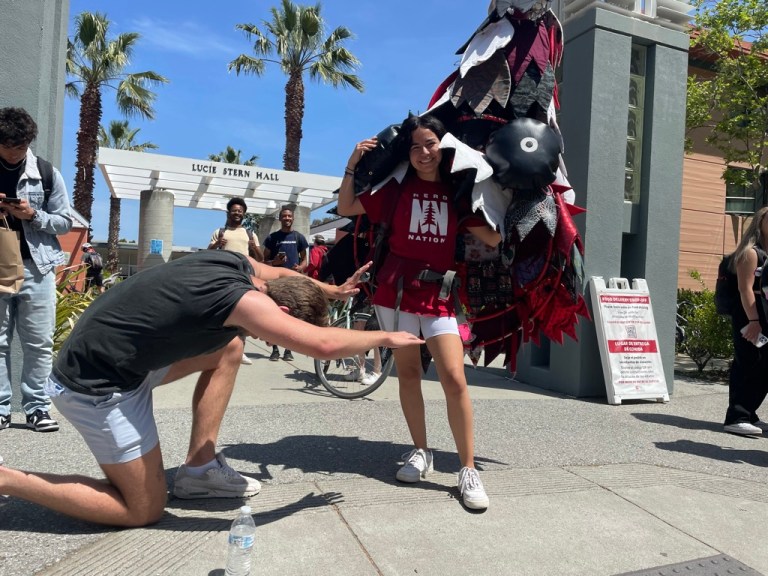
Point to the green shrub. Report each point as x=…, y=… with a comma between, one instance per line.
x=707, y=333
x=70, y=304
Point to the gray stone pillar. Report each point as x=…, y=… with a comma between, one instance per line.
x=33, y=46
x=155, y=228
x=629, y=239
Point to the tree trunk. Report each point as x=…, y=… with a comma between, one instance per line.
x=113, y=255
x=87, y=148
x=294, y=118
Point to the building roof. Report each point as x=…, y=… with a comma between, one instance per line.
x=206, y=184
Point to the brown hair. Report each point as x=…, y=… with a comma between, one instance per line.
x=304, y=299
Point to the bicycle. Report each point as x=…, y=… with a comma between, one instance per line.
x=349, y=377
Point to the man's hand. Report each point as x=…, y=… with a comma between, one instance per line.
x=400, y=339
x=22, y=210
x=222, y=242
x=349, y=288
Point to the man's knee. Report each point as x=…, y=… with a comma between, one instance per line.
x=147, y=513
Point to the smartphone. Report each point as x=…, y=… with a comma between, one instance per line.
x=281, y=254
x=11, y=200
x=762, y=339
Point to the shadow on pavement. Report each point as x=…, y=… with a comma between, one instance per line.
x=715, y=452
x=679, y=422
x=338, y=454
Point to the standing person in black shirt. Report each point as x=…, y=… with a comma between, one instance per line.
x=167, y=322
x=285, y=248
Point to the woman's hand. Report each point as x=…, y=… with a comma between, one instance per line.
x=360, y=149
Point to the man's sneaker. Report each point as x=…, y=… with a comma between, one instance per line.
x=418, y=463
x=743, y=428
x=245, y=360
x=370, y=378
x=220, y=482
x=287, y=356
x=41, y=421
x=5, y=421
x=275, y=356
x=471, y=488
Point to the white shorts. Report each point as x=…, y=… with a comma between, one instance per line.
x=427, y=326
x=117, y=427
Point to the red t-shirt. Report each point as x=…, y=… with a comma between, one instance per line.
x=423, y=236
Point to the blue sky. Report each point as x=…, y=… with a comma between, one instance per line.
x=407, y=48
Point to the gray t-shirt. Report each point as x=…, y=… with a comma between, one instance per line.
x=157, y=317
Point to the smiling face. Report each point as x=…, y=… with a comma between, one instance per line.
x=425, y=154
x=235, y=215
x=286, y=219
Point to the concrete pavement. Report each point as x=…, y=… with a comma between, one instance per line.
x=576, y=486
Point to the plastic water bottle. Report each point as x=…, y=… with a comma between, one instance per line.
x=241, y=536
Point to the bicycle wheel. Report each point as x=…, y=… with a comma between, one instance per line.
x=345, y=377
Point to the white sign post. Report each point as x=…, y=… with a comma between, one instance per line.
x=629, y=347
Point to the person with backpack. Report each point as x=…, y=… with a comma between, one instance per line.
x=237, y=238
x=34, y=201
x=423, y=229
x=748, y=380
x=94, y=268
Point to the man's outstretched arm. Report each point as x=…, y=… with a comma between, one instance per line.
x=260, y=317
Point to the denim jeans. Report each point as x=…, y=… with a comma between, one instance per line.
x=32, y=312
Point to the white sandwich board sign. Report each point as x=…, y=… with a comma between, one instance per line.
x=626, y=334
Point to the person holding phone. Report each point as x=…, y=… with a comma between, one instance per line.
x=38, y=218
x=286, y=248
x=748, y=379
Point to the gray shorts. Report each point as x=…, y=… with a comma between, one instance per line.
x=118, y=427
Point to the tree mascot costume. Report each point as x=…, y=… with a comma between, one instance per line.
x=499, y=109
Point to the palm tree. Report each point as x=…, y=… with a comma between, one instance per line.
x=95, y=62
x=232, y=156
x=122, y=137
x=295, y=35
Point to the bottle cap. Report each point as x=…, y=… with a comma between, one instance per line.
x=245, y=509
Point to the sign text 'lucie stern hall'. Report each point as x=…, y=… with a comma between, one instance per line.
x=237, y=172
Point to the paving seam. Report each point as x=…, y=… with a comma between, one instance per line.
x=340, y=514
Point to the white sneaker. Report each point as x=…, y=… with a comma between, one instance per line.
x=246, y=360
x=370, y=378
x=220, y=482
x=743, y=428
x=418, y=463
x=353, y=375
x=471, y=488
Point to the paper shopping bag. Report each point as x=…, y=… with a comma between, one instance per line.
x=11, y=266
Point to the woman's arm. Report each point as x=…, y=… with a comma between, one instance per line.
x=745, y=272
x=486, y=234
x=349, y=205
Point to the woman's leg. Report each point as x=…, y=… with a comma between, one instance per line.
x=408, y=364
x=448, y=353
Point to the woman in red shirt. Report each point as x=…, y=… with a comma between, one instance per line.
x=422, y=237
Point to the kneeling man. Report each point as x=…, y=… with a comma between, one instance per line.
x=187, y=316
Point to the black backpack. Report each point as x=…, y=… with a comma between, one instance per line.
x=93, y=259
x=46, y=176
x=727, y=297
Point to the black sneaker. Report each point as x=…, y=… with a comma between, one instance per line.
x=5, y=421
x=41, y=421
x=287, y=356
x=275, y=356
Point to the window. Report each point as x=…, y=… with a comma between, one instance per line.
x=746, y=197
